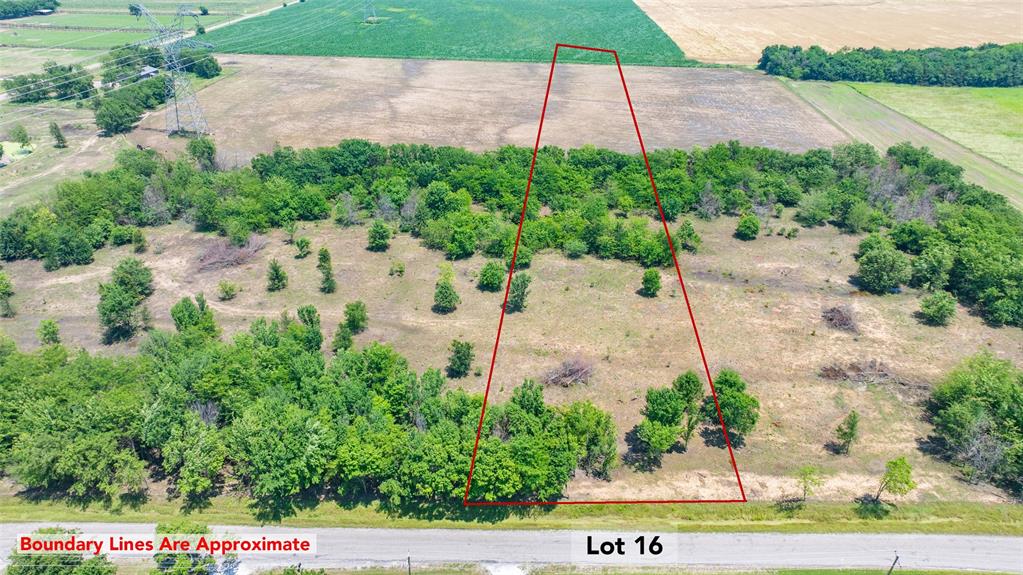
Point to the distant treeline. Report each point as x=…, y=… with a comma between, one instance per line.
x=19, y=8
x=986, y=65
x=583, y=201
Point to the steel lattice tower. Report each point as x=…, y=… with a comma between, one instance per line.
x=184, y=116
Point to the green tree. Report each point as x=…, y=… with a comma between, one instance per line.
x=748, y=227
x=119, y=312
x=194, y=455
x=596, y=437
x=342, y=338
x=226, y=290
x=460, y=360
x=6, y=293
x=356, y=317
x=491, y=277
x=897, y=479
x=379, y=236
x=328, y=284
x=134, y=276
x=276, y=277
x=518, y=292
x=48, y=332
x=203, y=152
x=20, y=135
x=651, y=282
x=883, y=270
x=117, y=116
x=59, y=141
x=689, y=389
x=445, y=298
x=664, y=405
x=194, y=317
x=739, y=409
x=687, y=238
x=303, y=245
x=656, y=438
x=809, y=479
x=938, y=308
x=847, y=432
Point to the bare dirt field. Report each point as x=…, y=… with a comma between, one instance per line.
x=735, y=32
x=307, y=101
x=758, y=305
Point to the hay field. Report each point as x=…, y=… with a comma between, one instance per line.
x=735, y=32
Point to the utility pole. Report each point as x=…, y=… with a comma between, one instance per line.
x=184, y=116
x=892, y=568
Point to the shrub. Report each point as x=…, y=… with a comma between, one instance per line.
x=48, y=332
x=304, y=247
x=397, y=269
x=847, y=432
x=461, y=358
x=122, y=235
x=575, y=248
x=379, y=236
x=445, y=298
x=276, y=277
x=134, y=276
x=342, y=338
x=6, y=293
x=651, y=282
x=356, y=316
x=226, y=291
x=739, y=409
x=518, y=292
x=938, y=308
x=883, y=270
x=748, y=227
x=327, y=284
x=687, y=238
x=491, y=277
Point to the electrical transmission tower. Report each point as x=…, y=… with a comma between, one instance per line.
x=184, y=116
x=369, y=11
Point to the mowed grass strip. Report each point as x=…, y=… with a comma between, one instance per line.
x=951, y=517
x=988, y=121
x=506, y=30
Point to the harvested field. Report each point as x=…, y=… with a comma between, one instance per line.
x=867, y=120
x=303, y=102
x=758, y=305
x=736, y=32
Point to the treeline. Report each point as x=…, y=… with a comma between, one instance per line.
x=583, y=201
x=985, y=65
x=19, y=8
x=71, y=82
x=270, y=411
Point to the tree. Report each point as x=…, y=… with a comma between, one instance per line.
x=356, y=317
x=194, y=317
x=276, y=277
x=740, y=410
x=342, y=338
x=6, y=293
x=748, y=227
x=847, y=432
x=117, y=116
x=596, y=437
x=134, y=276
x=194, y=455
x=59, y=141
x=651, y=282
x=664, y=405
x=518, y=292
x=303, y=246
x=119, y=312
x=20, y=135
x=689, y=389
x=809, y=479
x=328, y=284
x=883, y=270
x=48, y=332
x=656, y=438
x=203, y=152
x=460, y=360
x=491, y=277
x=226, y=290
x=379, y=236
x=687, y=238
x=445, y=298
x=938, y=308
x=897, y=478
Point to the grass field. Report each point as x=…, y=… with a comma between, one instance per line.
x=510, y=30
x=166, y=6
x=80, y=39
x=868, y=120
x=110, y=20
x=988, y=121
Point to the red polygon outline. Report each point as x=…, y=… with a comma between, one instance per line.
x=504, y=306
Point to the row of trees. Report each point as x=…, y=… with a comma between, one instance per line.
x=60, y=82
x=985, y=65
x=20, y=8
x=594, y=201
x=272, y=412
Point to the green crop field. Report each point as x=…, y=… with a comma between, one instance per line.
x=988, y=121
x=81, y=39
x=507, y=30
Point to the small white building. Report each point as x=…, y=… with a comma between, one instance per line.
x=148, y=72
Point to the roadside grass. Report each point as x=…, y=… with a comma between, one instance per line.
x=958, y=517
x=512, y=30
x=869, y=120
x=988, y=121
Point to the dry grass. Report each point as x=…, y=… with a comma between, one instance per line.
x=757, y=304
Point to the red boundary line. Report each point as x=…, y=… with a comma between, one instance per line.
x=504, y=306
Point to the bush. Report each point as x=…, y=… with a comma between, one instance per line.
x=491, y=277
x=48, y=332
x=739, y=409
x=397, y=269
x=651, y=282
x=327, y=283
x=883, y=269
x=134, y=276
x=687, y=238
x=122, y=235
x=518, y=292
x=938, y=308
x=460, y=360
x=342, y=338
x=356, y=317
x=445, y=298
x=6, y=293
x=379, y=236
x=304, y=247
x=748, y=227
x=276, y=277
x=575, y=248
x=226, y=291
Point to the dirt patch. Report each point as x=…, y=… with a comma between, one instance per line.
x=736, y=32
x=305, y=101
